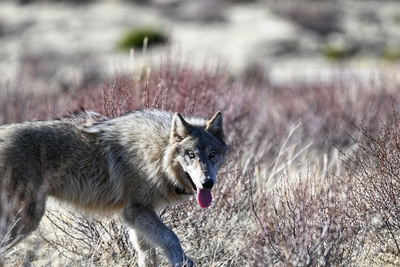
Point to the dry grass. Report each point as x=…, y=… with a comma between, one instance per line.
x=284, y=196
x=374, y=183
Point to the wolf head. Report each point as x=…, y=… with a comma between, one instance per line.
x=200, y=151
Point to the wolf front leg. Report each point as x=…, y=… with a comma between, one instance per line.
x=149, y=229
x=146, y=253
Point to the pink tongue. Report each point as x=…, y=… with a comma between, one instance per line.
x=204, y=197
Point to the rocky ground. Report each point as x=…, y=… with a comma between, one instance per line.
x=61, y=44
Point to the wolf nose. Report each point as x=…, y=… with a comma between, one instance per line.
x=207, y=183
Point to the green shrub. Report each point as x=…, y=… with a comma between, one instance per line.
x=337, y=52
x=391, y=54
x=135, y=38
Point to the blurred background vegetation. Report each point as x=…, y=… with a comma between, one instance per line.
x=61, y=44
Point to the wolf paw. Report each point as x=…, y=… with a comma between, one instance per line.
x=186, y=263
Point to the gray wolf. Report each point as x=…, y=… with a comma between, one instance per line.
x=133, y=164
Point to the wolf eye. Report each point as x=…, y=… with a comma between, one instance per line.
x=212, y=154
x=191, y=154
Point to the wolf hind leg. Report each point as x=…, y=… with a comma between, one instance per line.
x=146, y=253
x=20, y=214
x=16, y=225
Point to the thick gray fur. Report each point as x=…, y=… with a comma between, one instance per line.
x=134, y=164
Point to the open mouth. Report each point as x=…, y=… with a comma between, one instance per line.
x=203, y=196
x=191, y=181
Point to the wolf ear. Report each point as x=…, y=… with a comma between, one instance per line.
x=180, y=128
x=215, y=126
